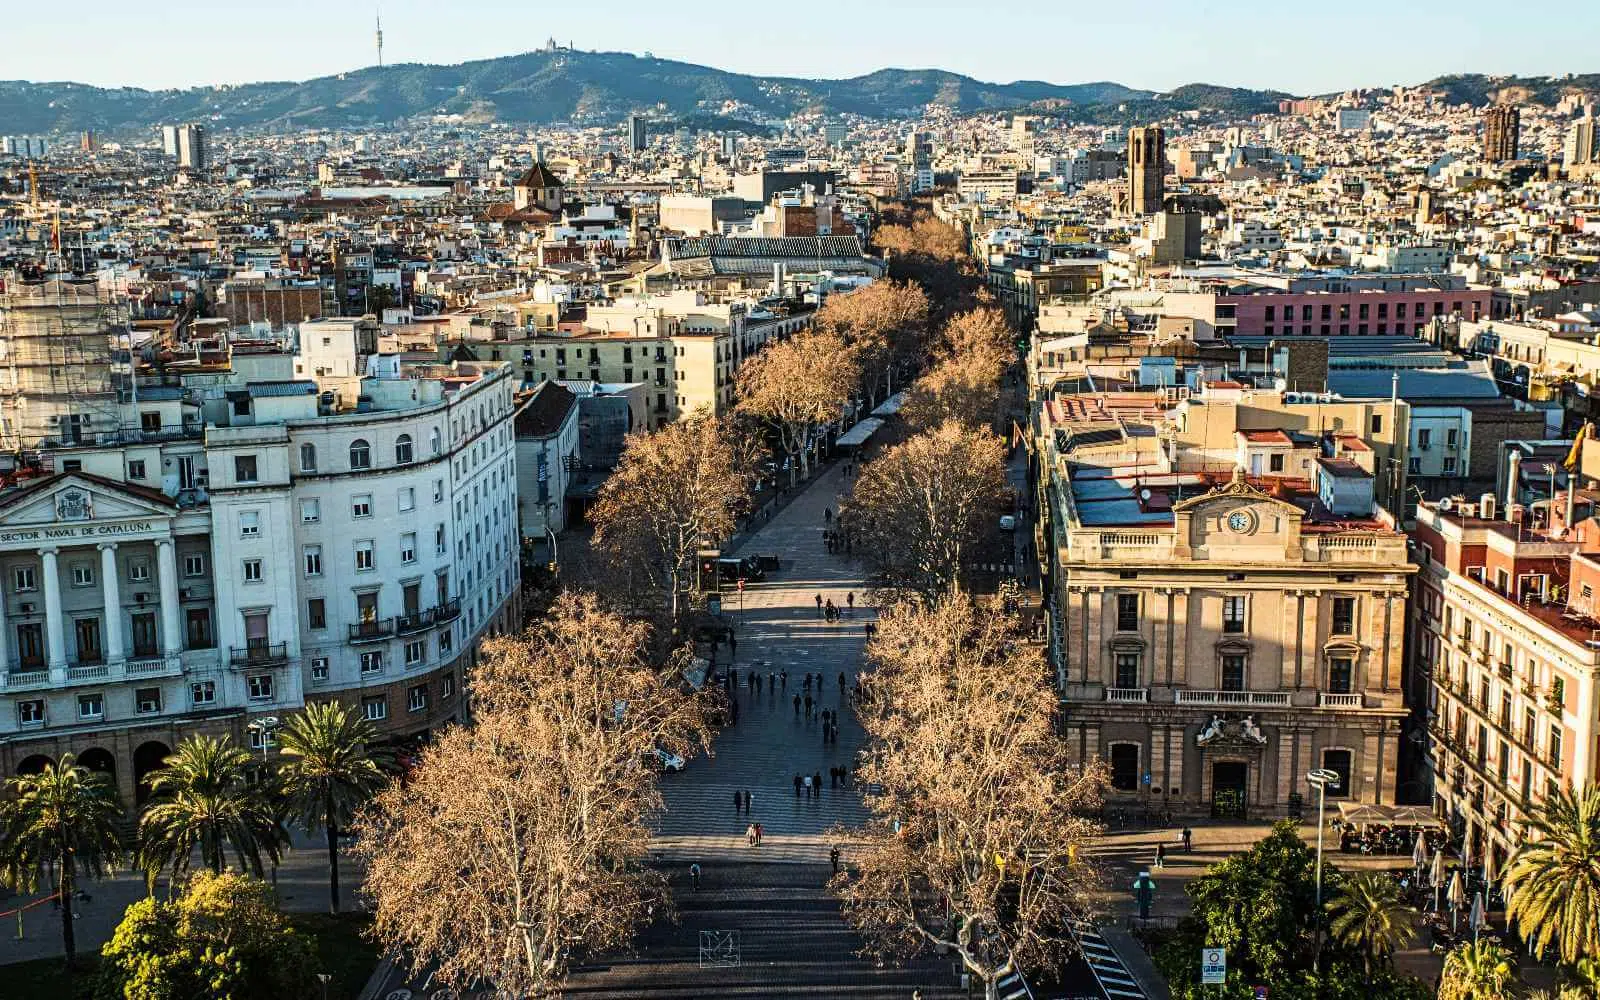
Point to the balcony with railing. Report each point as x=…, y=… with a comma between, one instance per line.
x=1136, y=696
x=1259, y=699
x=259, y=654
x=375, y=630
x=1338, y=701
x=447, y=612
x=413, y=622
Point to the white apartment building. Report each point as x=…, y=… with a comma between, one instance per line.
x=177, y=575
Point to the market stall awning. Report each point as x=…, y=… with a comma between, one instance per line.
x=858, y=435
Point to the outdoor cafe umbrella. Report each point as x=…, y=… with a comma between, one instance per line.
x=1457, y=895
x=1488, y=867
x=1476, y=918
x=1436, y=878
x=1419, y=854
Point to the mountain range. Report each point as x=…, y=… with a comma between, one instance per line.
x=596, y=87
x=563, y=85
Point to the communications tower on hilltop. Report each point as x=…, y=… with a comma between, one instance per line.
x=379, y=17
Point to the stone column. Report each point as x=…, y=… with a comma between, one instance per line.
x=112, y=593
x=1290, y=639
x=5, y=642
x=1178, y=662
x=55, y=627
x=167, y=569
x=1308, y=666
x=1094, y=671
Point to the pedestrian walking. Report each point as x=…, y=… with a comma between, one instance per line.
x=758, y=834
x=797, y=786
x=809, y=790
x=1161, y=855
x=1188, y=841
x=819, y=605
x=806, y=684
x=835, y=735
x=808, y=706
x=733, y=712
x=747, y=802
x=738, y=801
x=833, y=856
x=797, y=706
x=827, y=515
x=844, y=775
x=841, y=682
x=733, y=646
x=850, y=599
x=733, y=676
x=694, y=876
x=770, y=678
x=818, y=781
x=750, y=835
x=784, y=676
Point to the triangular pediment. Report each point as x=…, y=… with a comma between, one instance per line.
x=74, y=497
x=1236, y=489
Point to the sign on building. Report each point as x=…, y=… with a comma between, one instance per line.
x=1213, y=966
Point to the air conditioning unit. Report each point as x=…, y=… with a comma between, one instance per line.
x=147, y=705
x=25, y=608
x=183, y=595
x=202, y=479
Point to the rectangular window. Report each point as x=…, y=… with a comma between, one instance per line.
x=1341, y=675
x=244, y=468
x=198, y=628
x=319, y=669
x=1344, y=616
x=260, y=687
x=138, y=571
x=203, y=692
x=147, y=701
x=1233, y=615
x=439, y=544
x=1233, y=672
x=194, y=564
x=374, y=709
x=372, y=662
x=415, y=652
x=1127, y=670
x=30, y=713
x=249, y=523
x=310, y=510
x=408, y=498
x=252, y=571
x=24, y=579
x=317, y=613
x=1275, y=463
x=447, y=686
x=361, y=505
x=136, y=468
x=438, y=491
x=82, y=575
x=1555, y=747
x=1127, y=612
x=417, y=698
x=408, y=547
x=446, y=643
x=313, y=560
x=365, y=561
x=91, y=706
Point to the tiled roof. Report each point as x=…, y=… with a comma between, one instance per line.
x=545, y=412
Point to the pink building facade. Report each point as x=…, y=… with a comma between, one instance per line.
x=1356, y=312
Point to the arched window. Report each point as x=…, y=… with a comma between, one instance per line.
x=402, y=450
x=360, y=454
x=308, y=457
x=433, y=440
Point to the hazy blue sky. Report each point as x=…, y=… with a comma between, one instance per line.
x=1285, y=44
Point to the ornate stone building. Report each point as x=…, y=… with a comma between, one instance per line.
x=1215, y=638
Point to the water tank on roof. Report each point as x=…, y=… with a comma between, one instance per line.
x=1486, y=506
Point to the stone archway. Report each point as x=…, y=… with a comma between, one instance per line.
x=150, y=756
x=100, y=759
x=35, y=764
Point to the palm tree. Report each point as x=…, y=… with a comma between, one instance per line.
x=202, y=797
x=65, y=817
x=329, y=769
x=1554, y=877
x=1480, y=970
x=1367, y=915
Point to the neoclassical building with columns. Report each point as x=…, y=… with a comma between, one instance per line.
x=1216, y=636
x=235, y=546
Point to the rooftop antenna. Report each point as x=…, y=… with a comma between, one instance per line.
x=378, y=14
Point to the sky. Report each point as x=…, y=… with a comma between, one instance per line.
x=1291, y=45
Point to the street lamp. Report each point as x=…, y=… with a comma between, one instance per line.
x=1320, y=779
x=263, y=728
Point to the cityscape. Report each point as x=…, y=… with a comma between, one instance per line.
x=576, y=523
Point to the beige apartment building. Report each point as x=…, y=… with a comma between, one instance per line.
x=1506, y=628
x=1216, y=636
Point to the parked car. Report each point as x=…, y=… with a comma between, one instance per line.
x=666, y=760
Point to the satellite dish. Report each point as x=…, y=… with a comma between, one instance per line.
x=1144, y=495
x=1446, y=504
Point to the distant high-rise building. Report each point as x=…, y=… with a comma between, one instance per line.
x=638, y=132
x=87, y=141
x=169, y=140
x=1502, y=130
x=28, y=147
x=193, y=148
x=1580, y=155
x=1147, y=164
x=730, y=146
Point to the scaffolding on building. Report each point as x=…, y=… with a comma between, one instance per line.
x=66, y=366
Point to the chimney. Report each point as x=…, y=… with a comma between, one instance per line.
x=1513, y=467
